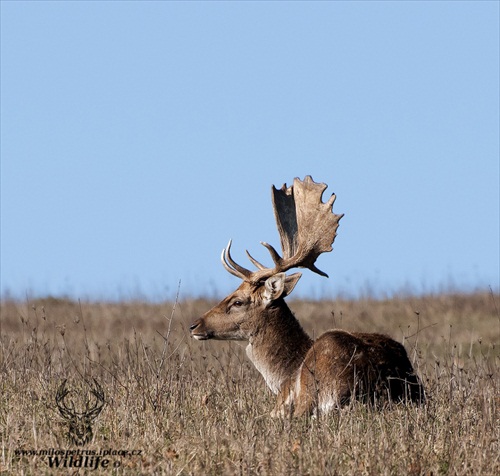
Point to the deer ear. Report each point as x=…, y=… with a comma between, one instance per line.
x=290, y=283
x=279, y=285
x=273, y=288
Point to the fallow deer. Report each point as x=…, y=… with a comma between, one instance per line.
x=307, y=375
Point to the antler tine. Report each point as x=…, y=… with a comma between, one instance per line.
x=98, y=393
x=281, y=265
x=62, y=391
x=230, y=265
x=254, y=261
x=307, y=227
x=277, y=259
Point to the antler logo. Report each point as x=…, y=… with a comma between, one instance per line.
x=80, y=422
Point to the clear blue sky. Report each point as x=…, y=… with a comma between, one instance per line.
x=138, y=137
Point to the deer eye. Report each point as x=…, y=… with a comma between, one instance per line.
x=236, y=304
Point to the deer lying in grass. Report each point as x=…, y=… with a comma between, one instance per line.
x=307, y=376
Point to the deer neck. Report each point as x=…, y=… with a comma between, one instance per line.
x=278, y=345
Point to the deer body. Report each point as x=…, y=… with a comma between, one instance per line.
x=306, y=375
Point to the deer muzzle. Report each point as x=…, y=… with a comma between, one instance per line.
x=199, y=331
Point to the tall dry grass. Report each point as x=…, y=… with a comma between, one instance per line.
x=201, y=408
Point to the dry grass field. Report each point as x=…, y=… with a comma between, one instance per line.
x=177, y=406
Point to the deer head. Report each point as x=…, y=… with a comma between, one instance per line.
x=256, y=311
x=80, y=422
x=307, y=228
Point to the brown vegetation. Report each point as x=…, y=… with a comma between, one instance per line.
x=202, y=408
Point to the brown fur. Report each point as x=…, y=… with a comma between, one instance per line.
x=310, y=375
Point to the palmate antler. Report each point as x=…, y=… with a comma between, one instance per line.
x=307, y=228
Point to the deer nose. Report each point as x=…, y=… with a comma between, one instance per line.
x=194, y=325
